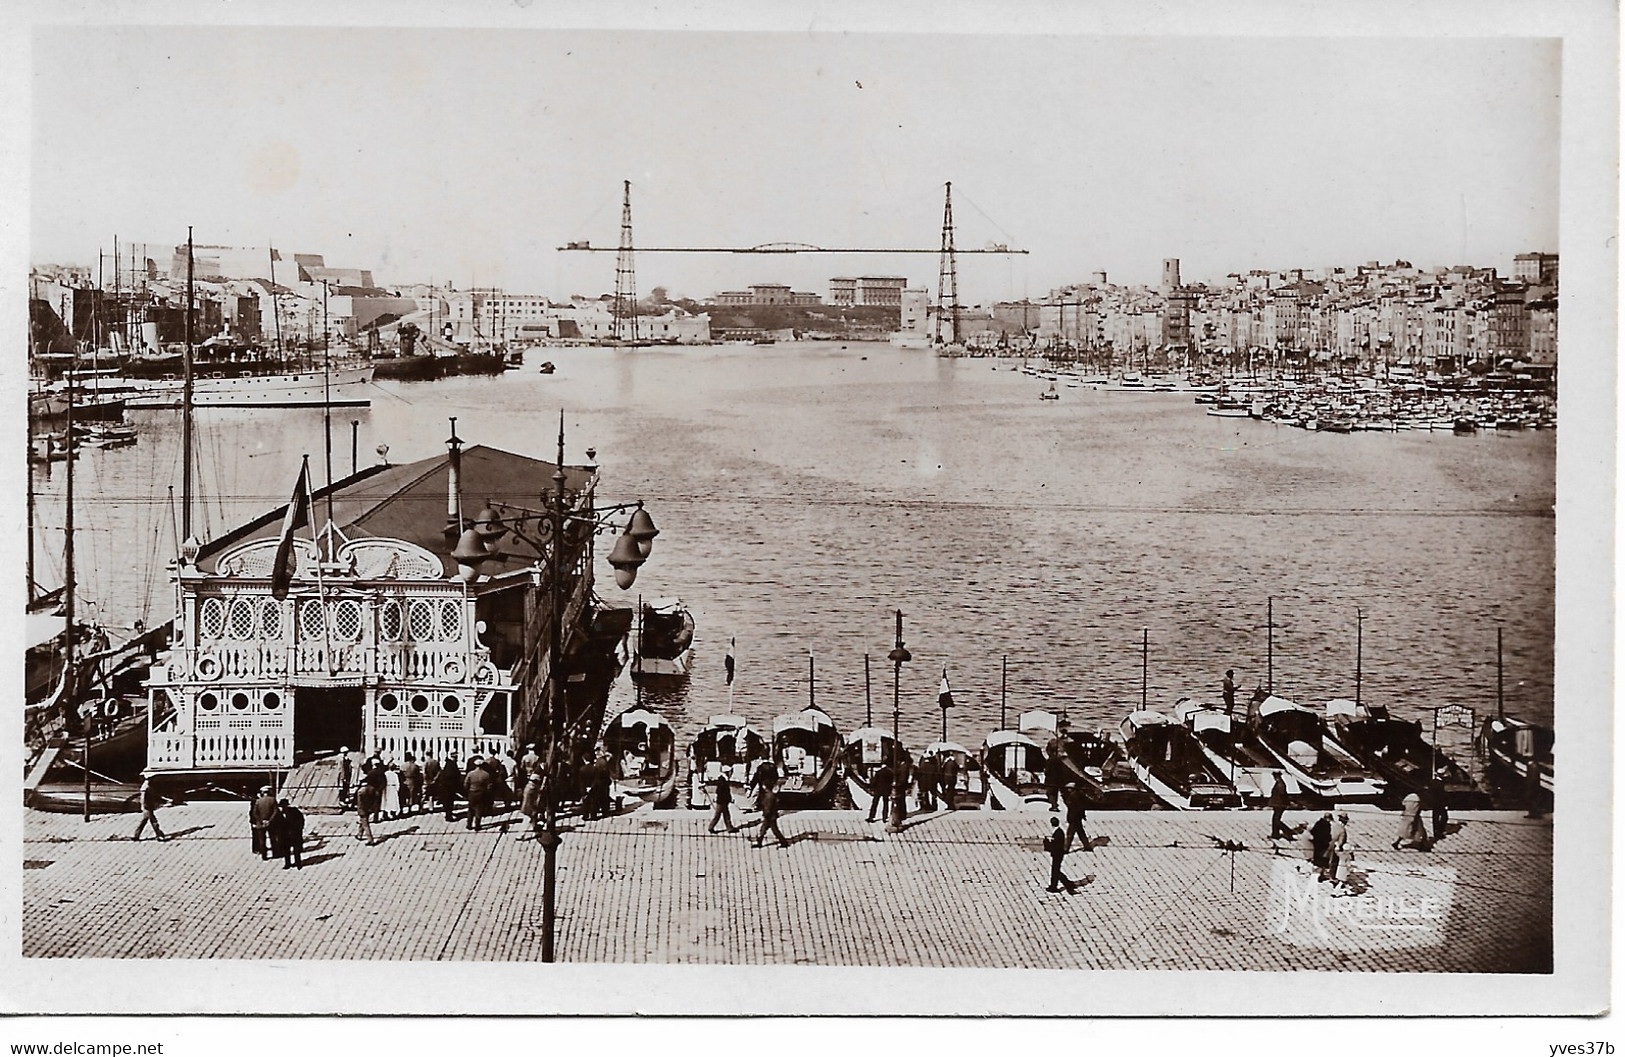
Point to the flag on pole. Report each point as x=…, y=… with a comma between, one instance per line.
x=728, y=661
x=945, y=696
x=297, y=517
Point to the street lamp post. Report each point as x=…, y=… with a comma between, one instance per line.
x=631, y=550
x=897, y=656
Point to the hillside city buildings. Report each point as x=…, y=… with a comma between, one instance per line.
x=1372, y=312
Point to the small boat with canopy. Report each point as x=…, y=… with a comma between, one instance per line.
x=970, y=786
x=1396, y=750
x=1295, y=738
x=1015, y=762
x=727, y=749
x=867, y=749
x=807, y=750
x=1169, y=760
x=643, y=756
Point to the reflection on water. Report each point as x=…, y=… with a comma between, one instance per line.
x=805, y=491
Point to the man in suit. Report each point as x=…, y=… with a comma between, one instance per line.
x=150, y=802
x=1278, y=803
x=411, y=785
x=346, y=775
x=260, y=814
x=722, y=795
x=880, y=784
x=1055, y=844
x=451, y=786
x=768, y=801
x=290, y=829
x=478, y=787
x=1077, y=812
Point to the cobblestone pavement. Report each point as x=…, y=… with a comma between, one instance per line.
x=959, y=889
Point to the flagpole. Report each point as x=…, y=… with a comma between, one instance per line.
x=868, y=703
x=321, y=586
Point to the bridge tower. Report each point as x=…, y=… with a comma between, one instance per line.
x=626, y=283
x=948, y=270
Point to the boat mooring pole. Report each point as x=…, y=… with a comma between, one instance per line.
x=868, y=702
x=812, y=687
x=897, y=656
x=1145, y=663
x=1270, y=621
x=1499, y=703
x=1004, y=684
x=1359, y=624
x=355, y=429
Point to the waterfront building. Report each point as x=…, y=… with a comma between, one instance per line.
x=1536, y=269
x=915, y=310
x=843, y=291
x=883, y=291
x=377, y=642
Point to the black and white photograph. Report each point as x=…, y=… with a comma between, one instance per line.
x=820, y=510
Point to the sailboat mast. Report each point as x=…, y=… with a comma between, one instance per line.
x=186, y=405
x=68, y=572
x=1270, y=620
x=276, y=303
x=1359, y=628
x=868, y=703
x=327, y=401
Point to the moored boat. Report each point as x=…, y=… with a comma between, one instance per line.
x=970, y=784
x=1099, y=762
x=727, y=749
x=1248, y=768
x=1295, y=737
x=807, y=750
x=1511, y=747
x=643, y=756
x=1169, y=760
x=867, y=749
x=1396, y=750
x=665, y=646
x=1015, y=762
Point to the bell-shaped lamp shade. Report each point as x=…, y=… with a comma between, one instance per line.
x=488, y=523
x=625, y=556
x=642, y=529
x=189, y=550
x=470, y=554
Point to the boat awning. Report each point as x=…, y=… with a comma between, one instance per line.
x=1037, y=719
x=726, y=721
x=807, y=719
x=1340, y=706
x=1272, y=704
x=938, y=748
x=857, y=736
x=41, y=628
x=1144, y=717
x=1009, y=737
x=634, y=716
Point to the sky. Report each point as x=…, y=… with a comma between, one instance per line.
x=468, y=156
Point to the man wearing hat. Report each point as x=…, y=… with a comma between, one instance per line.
x=530, y=762
x=346, y=774
x=1337, y=855
x=260, y=814
x=478, y=788
x=530, y=804
x=1055, y=844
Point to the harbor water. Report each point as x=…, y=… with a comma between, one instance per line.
x=805, y=491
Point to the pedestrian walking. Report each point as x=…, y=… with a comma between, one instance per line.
x=411, y=785
x=530, y=804
x=768, y=801
x=477, y=790
x=376, y=781
x=1077, y=812
x=291, y=821
x=902, y=776
x=531, y=762
x=451, y=786
x=1439, y=807
x=367, y=798
x=880, y=784
x=721, y=796
x=1278, y=804
x=1320, y=842
x=260, y=813
x=346, y=775
x=1229, y=690
x=150, y=802
x=276, y=834
x=1055, y=844
x=603, y=782
x=765, y=777
x=1411, y=830
x=1337, y=842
